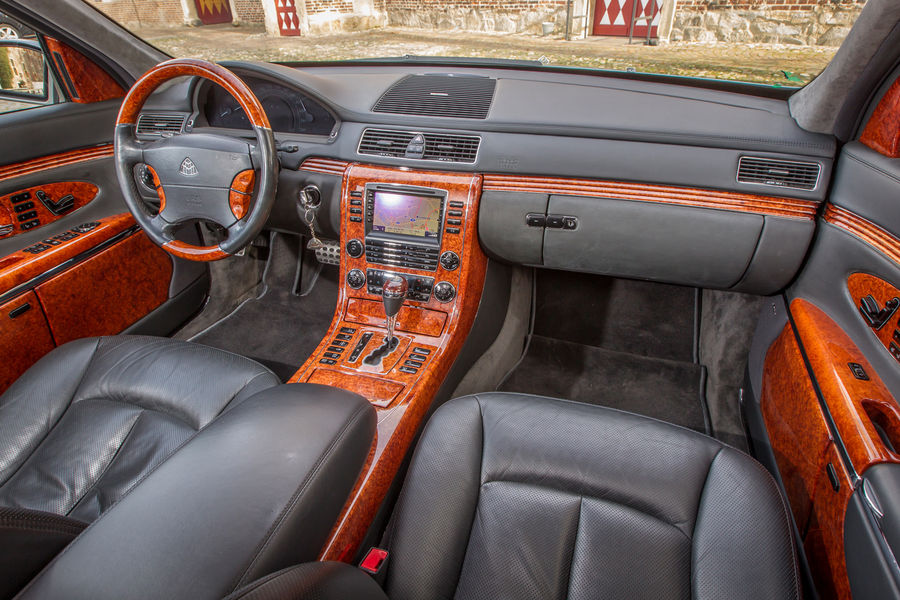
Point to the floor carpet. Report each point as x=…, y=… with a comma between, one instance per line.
x=618, y=343
x=279, y=328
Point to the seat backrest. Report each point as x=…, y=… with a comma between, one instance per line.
x=516, y=496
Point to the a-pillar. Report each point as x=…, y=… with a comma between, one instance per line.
x=286, y=17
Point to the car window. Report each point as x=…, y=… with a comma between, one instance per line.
x=772, y=42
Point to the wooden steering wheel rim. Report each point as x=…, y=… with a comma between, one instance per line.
x=181, y=67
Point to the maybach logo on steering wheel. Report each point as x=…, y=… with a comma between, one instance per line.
x=188, y=168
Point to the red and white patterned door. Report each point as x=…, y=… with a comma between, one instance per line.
x=211, y=12
x=613, y=17
x=288, y=21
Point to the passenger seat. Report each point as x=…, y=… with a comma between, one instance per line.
x=518, y=496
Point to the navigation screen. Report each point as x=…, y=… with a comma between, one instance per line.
x=407, y=214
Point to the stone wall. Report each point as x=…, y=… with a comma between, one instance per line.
x=796, y=22
x=517, y=16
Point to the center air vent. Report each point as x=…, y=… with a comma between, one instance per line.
x=781, y=173
x=456, y=96
x=442, y=147
x=160, y=123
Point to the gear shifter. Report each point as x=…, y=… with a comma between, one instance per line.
x=393, y=294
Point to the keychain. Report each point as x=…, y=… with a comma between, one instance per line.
x=308, y=204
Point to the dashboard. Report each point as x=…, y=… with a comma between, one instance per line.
x=289, y=110
x=574, y=167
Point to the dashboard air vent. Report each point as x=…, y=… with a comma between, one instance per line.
x=160, y=123
x=441, y=147
x=456, y=96
x=781, y=173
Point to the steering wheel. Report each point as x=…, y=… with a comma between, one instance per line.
x=202, y=176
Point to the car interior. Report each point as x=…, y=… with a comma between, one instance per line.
x=446, y=329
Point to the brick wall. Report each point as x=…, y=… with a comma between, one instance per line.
x=143, y=12
x=761, y=4
x=249, y=11
x=493, y=5
x=320, y=6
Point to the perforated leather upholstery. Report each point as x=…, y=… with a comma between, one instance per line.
x=94, y=416
x=511, y=496
x=517, y=496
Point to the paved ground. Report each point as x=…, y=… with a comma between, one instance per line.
x=761, y=63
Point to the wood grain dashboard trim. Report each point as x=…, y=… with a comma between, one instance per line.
x=53, y=161
x=401, y=398
x=867, y=231
x=882, y=132
x=699, y=198
x=328, y=166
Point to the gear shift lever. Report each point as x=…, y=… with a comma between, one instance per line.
x=393, y=294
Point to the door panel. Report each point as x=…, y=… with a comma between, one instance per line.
x=24, y=337
x=109, y=291
x=99, y=279
x=848, y=362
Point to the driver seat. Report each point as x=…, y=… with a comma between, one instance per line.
x=117, y=432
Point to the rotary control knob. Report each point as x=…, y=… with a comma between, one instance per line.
x=355, y=248
x=356, y=279
x=450, y=260
x=444, y=291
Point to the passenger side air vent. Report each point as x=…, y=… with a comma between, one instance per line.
x=781, y=173
x=441, y=147
x=456, y=96
x=160, y=123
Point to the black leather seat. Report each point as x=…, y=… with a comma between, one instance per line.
x=196, y=468
x=517, y=496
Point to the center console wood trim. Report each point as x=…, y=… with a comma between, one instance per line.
x=400, y=414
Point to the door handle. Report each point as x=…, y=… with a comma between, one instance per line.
x=874, y=315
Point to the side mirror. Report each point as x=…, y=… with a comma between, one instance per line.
x=25, y=79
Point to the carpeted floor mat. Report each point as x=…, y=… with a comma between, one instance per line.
x=663, y=389
x=617, y=343
x=279, y=328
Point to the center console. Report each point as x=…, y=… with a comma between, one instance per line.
x=420, y=226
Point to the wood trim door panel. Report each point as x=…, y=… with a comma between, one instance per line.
x=24, y=337
x=109, y=291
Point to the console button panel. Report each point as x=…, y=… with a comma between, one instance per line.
x=419, y=286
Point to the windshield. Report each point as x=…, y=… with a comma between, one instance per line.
x=772, y=42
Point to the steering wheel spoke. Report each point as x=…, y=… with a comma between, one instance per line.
x=222, y=179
